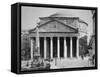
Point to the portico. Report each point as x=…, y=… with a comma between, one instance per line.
x=57, y=47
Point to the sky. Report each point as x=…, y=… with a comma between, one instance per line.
x=30, y=15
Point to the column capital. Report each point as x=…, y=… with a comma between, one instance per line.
x=64, y=37
x=51, y=37
x=77, y=37
x=58, y=38
x=71, y=37
x=44, y=38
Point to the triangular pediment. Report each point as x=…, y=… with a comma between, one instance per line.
x=55, y=26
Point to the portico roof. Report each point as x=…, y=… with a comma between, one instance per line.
x=62, y=28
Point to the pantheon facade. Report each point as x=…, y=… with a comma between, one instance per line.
x=58, y=37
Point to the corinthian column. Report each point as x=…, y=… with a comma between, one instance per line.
x=71, y=54
x=58, y=53
x=65, y=48
x=51, y=47
x=31, y=42
x=45, y=47
x=77, y=47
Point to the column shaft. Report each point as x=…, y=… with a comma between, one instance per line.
x=31, y=40
x=65, y=48
x=58, y=53
x=77, y=47
x=51, y=47
x=39, y=45
x=71, y=54
x=45, y=47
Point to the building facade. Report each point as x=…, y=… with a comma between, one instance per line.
x=58, y=37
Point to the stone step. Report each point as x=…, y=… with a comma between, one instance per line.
x=69, y=63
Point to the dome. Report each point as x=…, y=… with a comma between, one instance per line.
x=64, y=14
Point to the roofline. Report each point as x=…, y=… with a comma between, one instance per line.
x=82, y=21
x=31, y=30
x=51, y=21
x=58, y=17
x=57, y=21
x=66, y=18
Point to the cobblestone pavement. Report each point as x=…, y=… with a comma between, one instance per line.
x=64, y=63
x=70, y=63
